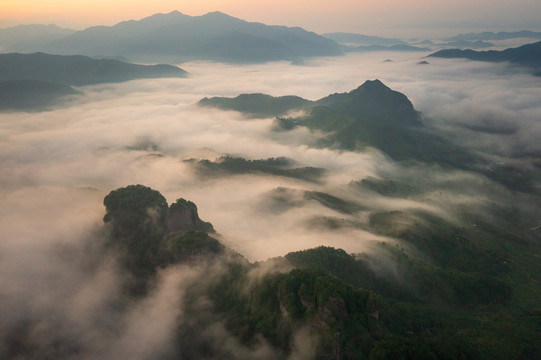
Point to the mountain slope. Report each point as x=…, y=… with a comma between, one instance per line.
x=31, y=94
x=177, y=37
x=77, y=70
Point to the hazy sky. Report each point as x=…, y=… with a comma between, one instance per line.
x=385, y=17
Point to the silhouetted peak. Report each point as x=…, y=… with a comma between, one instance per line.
x=218, y=15
x=172, y=14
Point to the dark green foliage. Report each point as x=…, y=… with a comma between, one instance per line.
x=135, y=209
x=273, y=166
x=386, y=187
x=278, y=305
x=351, y=270
x=400, y=137
x=333, y=202
x=182, y=247
x=282, y=199
x=419, y=348
x=514, y=178
x=456, y=302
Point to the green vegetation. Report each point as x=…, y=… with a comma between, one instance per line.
x=282, y=199
x=273, y=166
x=375, y=116
x=472, y=294
x=370, y=116
x=386, y=187
x=149, y=234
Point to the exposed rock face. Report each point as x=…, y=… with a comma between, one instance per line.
x=183, y=217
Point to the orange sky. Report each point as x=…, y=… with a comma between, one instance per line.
x=319, y=15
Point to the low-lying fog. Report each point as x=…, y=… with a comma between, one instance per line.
x=56, y=166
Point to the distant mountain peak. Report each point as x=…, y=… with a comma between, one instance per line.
x=374, y=84
x=372, y=87
x=217, y=13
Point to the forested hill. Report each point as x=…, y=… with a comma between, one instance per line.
x=465, y=303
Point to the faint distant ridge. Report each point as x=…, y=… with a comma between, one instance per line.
x=359, y=39
x=78, y=70
x=487, y=36
x=175, y=37
x=30, y=38
x=527, y=55
x=364, y=43
x=467, y=44
x=398, y=47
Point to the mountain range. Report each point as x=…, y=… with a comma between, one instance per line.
x=175, y=37
x=488, y=35
x=359, y=39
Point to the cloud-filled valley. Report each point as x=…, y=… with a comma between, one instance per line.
x=56, y=166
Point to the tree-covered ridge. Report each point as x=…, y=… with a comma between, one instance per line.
x=257, y=105
x=281, y=166
x=460, y=295
x=282, y=199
